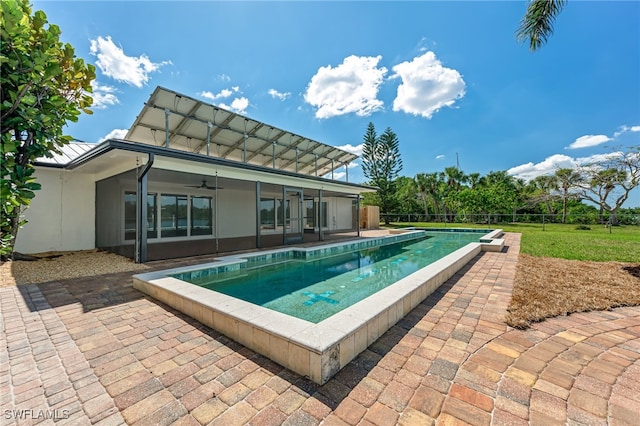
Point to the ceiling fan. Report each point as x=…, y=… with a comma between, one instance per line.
x=204, y=185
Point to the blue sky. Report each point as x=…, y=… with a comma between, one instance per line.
x=448, y=78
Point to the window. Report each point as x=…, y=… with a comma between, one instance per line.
x=309, y=214
x=201, y=216
x=324, y=214
x=267, y=213
x=284, y=212
x=173, y=215
x=130, y=201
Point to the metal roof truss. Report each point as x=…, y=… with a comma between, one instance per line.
x=179, y=122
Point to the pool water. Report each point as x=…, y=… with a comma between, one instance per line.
x=316, y=289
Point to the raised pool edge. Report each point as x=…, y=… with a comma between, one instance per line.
x=317, y=351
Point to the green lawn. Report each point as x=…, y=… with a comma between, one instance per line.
x=565, y=241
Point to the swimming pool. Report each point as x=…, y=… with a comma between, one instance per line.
x=319, y=349
x=314, y=290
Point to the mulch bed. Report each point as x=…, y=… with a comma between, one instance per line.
x=548, y=287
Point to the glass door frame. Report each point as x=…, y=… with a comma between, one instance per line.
x=293, y=229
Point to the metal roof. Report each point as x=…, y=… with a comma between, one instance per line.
x=68, y=153
x=176, y=121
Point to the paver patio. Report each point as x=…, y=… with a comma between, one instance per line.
x=96, y=351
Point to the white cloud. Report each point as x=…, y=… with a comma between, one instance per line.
x=224, y=77
x=351, y=87
x=624, y=129
x=224, y=93
x=103, y=96
x=336, y=175
x=550, y=164
x=114, y=63
x=279, y=95
x=238, y=105
x=439, y=157
x=597, y=158
x=115, y=134
x=426, y=86
x=588, y=141
x=357, y=150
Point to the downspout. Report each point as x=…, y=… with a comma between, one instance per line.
x=217, y=202
x=358, y=216
x=141, y=212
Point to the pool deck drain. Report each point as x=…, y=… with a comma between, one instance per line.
x=95, y=350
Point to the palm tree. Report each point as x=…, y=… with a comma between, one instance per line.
x=428, y=185
x=567, y=179
x=537, y=24
x=453, y=178
x=474, y=179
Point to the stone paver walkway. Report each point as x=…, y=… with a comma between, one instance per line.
x=96, y=351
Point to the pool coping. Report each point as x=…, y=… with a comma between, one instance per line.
x=317, y=351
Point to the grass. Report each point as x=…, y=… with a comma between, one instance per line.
x=563, y=270
x=555, y=240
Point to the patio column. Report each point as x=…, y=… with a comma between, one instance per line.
x=258, y=239
x=141, y=213
x=320, y=230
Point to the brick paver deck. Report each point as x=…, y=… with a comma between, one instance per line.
x=96, y=351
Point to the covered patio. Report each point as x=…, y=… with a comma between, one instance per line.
x=190, y=178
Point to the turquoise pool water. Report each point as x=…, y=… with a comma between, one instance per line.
x=314, y=290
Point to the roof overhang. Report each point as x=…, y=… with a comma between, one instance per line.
x=175, y=121
x=116, y=156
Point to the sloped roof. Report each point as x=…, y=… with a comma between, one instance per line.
x=176, y=121
x=68, y=153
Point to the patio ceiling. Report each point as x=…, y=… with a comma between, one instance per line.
x=179, y=122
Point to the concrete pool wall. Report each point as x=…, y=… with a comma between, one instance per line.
x=317, y=351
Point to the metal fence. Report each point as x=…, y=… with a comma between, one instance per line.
x=491, y=219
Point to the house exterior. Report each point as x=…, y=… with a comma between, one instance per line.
x=190, y=178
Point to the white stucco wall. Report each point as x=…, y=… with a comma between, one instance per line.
x=61, y=217
x=236, y=213
x=342, y=214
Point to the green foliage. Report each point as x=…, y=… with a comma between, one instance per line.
x=381, y=164
x=43, y=87
x=609, y=182
x=565, y=242
x=429, y=187
x=370, y=199
x=406, y=197
x=537, y=25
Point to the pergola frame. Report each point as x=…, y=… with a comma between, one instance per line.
x=188, y=124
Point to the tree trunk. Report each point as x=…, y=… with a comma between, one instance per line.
x=14, y=223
